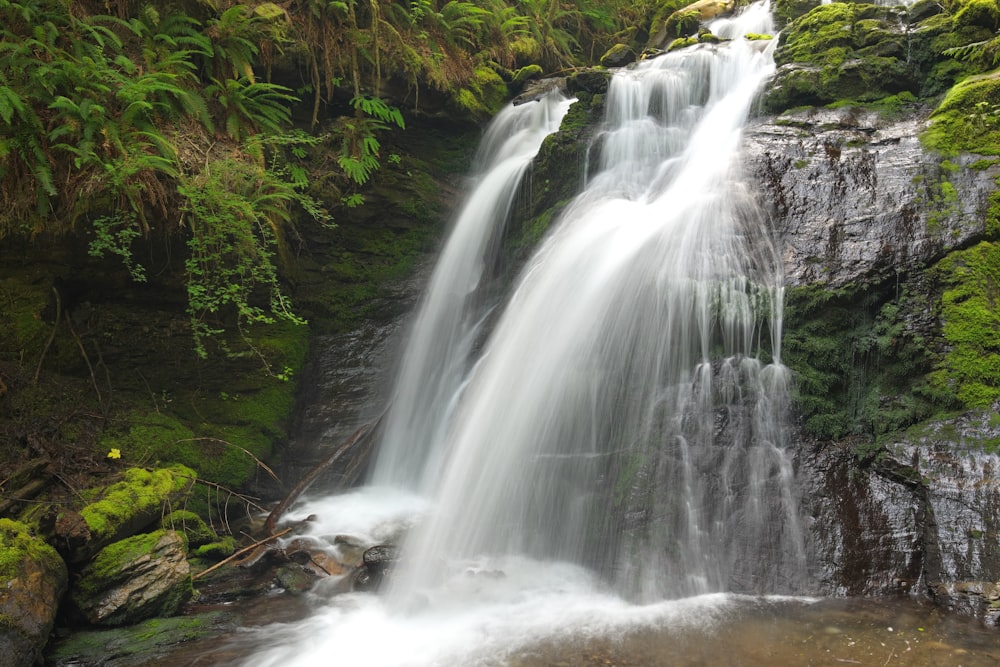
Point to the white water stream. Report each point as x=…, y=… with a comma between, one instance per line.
x=614, y=456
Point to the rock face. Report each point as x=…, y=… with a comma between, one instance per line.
x=854, y=198
x=32, y=580
x=921, y=515
x=135, y=579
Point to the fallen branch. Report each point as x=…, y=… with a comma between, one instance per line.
x=359, y=437
x=242, y=551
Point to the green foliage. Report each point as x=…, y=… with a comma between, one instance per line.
x=234, y=211
x=359, y=151
x=970, y=368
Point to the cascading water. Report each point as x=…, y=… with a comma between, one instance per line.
x=438, y=354
x=620, y=435
x=620, y=415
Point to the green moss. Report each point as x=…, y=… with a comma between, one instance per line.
x=140, y=492
x=18, y=545
x=141, y=644
x=786, y=11
x=859, y=368
x=682, y=43
x=660, y=31
x=485, y=93
x=189, y=524
x=968, y=119
x=970, y=368
x=757, y=37
x=217, y=550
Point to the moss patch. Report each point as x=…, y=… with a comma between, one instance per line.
x=968, y=119
x=140, y=496
x=17, y=545
x=860, y=357
x=970, y=368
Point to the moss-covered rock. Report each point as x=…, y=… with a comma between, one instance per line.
x=33, y=578
x=860, y=356
x=192, y=526
x=970, y=367
x=968, y=119
x=842, y=51
x=786, y=11
x=483, y=95
x=128, y=506
x=618, y=55
x=659, y=33
x=140, y=577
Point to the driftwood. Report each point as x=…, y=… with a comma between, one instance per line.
x=360, y=438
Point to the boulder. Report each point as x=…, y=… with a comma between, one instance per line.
x=685, y=21
x=32, y=579
x=135, y=579
x=618, y=55
x=122, y=509
x=378, y=564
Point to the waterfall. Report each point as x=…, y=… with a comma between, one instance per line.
x=450, y=315
x=614, y=455
x=622, y=414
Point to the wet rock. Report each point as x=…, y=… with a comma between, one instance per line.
x=857, y=199
x=618, y=55
x=350, y=550
x=379, y=562
x=33, y=578
x=135, y=579
x=592, y=81
x=920, y=515
x=536, y=90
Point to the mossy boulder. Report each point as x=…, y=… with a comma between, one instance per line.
x=842, y=51
x=659, y=34
x=618, y=55
x=141, y=577
x=192, y=526
x=681, y=43
x=130, y=505
x=968, y=119
x=786, y=11
x=686, y=20
x=33, y=578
